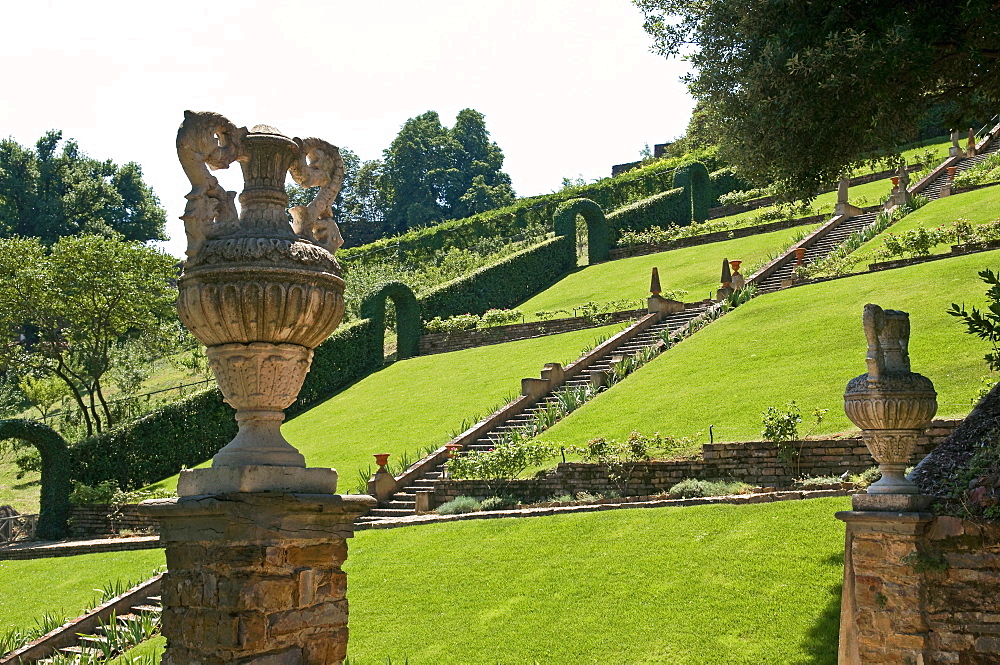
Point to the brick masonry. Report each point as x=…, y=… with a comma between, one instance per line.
x=754, y=462
x=920, y=589
x=96, y=520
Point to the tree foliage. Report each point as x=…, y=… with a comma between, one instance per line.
x=49, y=192
x=431, y=173
x=984, y=324
x=70, y=310
x=801, y=90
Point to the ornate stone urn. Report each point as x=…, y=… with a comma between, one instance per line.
x=891, y=404
x=259, y=291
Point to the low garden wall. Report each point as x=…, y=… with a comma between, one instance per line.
x=716, y=236
x=96, y=520
x=754, y=462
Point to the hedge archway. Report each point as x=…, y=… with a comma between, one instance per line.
x=598, y=236
x=697, y=184
x=407, y=317
x=54, y=510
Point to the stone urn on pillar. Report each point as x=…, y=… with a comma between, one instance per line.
x=261, y=293
x=255, y=544
x=891, y=404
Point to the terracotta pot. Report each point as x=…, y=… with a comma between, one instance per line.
x=895, y=181
x=735, y=265
x=382, y=459
x=951, y=172
x=800, y=255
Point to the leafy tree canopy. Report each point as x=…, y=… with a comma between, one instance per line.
x=802, y=89
x=71, y=310
x=49, y=192
x=431, y=173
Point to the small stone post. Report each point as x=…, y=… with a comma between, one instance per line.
x=657, y=304
x=955, y=150
x=383, y=484
x=844, y=206
x=255, y=543
x=882, y=614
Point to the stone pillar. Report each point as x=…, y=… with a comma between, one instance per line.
x=256, y=578
x=844, y=206
x=882, y=618
x=955, y=150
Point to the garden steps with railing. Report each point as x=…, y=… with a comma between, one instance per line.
x=521, y=412
x=824, y=240
x=85, y=639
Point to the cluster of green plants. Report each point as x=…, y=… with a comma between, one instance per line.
x=503, y=463
x=691, y=488
x=656, y=235
x=985, y=172
x=598, y=312
x=489, y=319
x=743, y=195
x=920, y=241
x=817, y=481
x=119, y=636
x=620, y=458
x=467, y=504
x=781, y=426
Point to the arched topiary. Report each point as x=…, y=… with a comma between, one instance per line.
x=407, y=316
x=697, y=184
x=598, y=236
x=52, y=447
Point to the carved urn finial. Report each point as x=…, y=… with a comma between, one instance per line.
x=891, y=404
x=261, y=291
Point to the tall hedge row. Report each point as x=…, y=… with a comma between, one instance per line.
x=188, y=432
x=725, y=181
x=670, y=207
x=697, y=186
x=503, y=284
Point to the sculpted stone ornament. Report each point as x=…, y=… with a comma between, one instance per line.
x=260, y=292
x=891, y=404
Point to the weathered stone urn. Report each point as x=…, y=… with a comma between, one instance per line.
x=259, y=291
x=891, y=404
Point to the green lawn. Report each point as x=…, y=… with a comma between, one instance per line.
x=62, y=586
x=705, y=585
x=803, y=344
x=979, y=207
x=22, y=493
x=149, y=649
x=694, y=269
x=419, y=401
x=700, y=585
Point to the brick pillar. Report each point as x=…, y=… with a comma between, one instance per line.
x=256, y=578
x=882, y=619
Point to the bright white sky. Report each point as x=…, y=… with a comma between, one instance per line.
x=568, y=87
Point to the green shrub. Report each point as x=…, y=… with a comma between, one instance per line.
x=502, y=464
x=669, y=208
x=459, y=506
x=814, y=481
x=781, y=425
x=697, y=186
x=865, y=479
x=500, y=503
x=691, y=488
x=99, y=494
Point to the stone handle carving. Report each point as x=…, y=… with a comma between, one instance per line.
x=318, y=164
x=207, y=139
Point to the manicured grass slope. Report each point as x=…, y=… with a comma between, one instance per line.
x=419, y=401
x=704, y=585
x=694, y=269
x=803, y=344
x=979, y=207
x=62, y=586
x=22, y=493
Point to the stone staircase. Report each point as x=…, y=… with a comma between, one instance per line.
x=84, y=639
x=828, y=237
x=522, y=411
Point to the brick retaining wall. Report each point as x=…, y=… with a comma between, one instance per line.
x=94, y=520
x=754, y=462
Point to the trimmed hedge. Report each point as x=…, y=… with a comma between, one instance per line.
x=670, y=207
x=158, y=445
x=53, y=511
x=725, y=181
x=407, y=317
x=504, y=284
x=598, y=237
x=697, y=186
x=188, y=432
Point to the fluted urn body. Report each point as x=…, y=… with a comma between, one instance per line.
x=891, y=404
x=260, y=291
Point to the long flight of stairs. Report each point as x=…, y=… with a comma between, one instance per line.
x=403, y=503
x=829, y=240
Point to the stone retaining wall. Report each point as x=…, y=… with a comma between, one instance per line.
x=94, y=520
x=920, y=589
x=717, y=236
x=754, y=462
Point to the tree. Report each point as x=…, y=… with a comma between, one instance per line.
x=431, y=173
x=801, y=90
x=69, y=310
x=48, y=192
